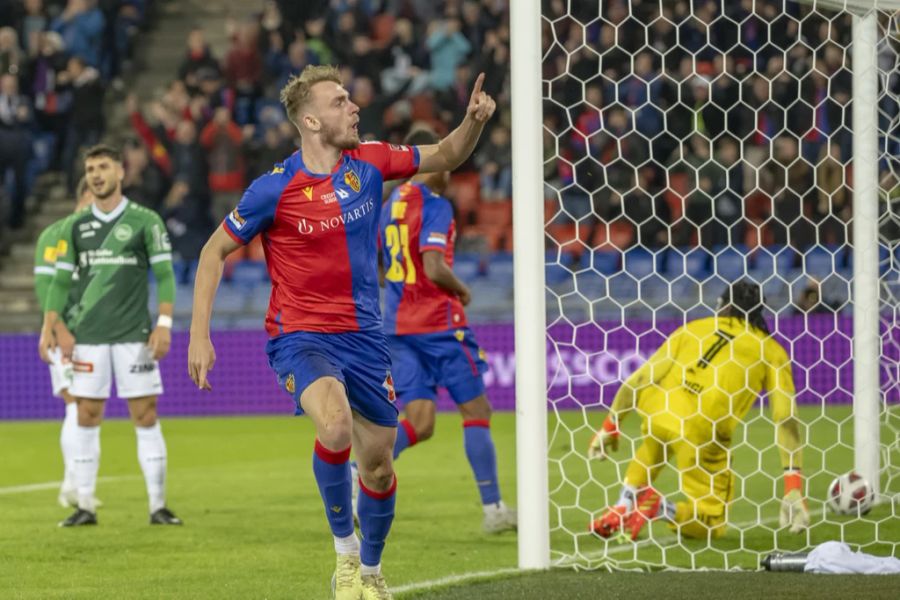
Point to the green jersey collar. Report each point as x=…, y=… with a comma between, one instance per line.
x=110, y=216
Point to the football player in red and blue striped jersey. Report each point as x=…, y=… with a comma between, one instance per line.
x=318, y=214
x=428, y=335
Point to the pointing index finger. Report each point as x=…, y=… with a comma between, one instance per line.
x=477, y=89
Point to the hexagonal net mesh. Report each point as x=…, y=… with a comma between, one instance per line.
x=687, y=147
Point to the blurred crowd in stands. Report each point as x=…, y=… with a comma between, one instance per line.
x=675, y=123
x=57, y=58
x=664, y=123
x=218, y=124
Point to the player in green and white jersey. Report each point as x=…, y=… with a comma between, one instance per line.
x=45, y=251
x=113, y=244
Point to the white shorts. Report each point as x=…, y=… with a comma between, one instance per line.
x=60, y=372
x=93, y=366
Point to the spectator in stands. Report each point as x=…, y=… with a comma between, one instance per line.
x=198, y=57
x=81, y=25
x=372, y=107
x=315, y=40
x=32, y=25
x=12, y=59
x=243, y=71
x=189, y=164
x=790, y=183
x=494, y=161
x=264, y=152
x=86, y=120
x=212, y=93
x=222, y=140
x=51, y=108
x=281, y=65
x=15, y=143
x=647, y=209
x=833, y=203
x=187, y=218
x=409, y=61
x=447, y=48
x=811, y=301
x=144, y=182
x=273, y=27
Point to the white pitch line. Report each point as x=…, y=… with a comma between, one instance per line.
x=424, y=585
x=51, y=485
x=463, y=577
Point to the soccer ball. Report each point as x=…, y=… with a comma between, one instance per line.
x=850, y=494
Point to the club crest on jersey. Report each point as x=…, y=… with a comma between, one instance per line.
x=289, y=383
x=307, y=191
x=389, y=386
x=123, y=232
x=352, y=179
x=459, y=334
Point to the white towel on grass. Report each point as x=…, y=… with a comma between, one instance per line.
x=837, y=557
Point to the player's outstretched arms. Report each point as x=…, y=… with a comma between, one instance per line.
x=438, y=271
x=454, y=149
x=201, y=354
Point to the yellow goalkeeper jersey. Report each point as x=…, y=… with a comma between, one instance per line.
x=706, y=376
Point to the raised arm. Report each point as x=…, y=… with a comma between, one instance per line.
x=454, y=149
x=201, y=354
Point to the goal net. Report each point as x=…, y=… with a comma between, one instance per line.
x=688, y=145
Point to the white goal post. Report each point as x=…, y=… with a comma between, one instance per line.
x=529, y=91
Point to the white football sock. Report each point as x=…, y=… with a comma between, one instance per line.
x=367, y=570
x=346, y=545
x=151, y=449
x=68, y=443
x=86, y=463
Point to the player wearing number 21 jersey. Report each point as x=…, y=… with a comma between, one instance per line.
x=428, y=335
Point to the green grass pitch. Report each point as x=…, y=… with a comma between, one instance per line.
x=255, y=529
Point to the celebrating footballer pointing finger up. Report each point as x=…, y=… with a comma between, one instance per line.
x=318, y=213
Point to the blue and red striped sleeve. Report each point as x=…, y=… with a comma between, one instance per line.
x=256, y=210
x=437, y=215
x=394, y=161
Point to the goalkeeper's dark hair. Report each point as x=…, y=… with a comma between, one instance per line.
x=421, y=136
x=744, y=300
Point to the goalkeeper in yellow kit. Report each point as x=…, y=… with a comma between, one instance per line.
x=691, y=394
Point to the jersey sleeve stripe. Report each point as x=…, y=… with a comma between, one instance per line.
x=44, y=271
x=415, y=150
x=161, y=258
x=232, y=234
x=65, y=266
x=432, y=247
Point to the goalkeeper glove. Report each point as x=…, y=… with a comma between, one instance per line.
x=793, y=506
x=606, y=439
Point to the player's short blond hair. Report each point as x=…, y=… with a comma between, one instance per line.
x=295, y=94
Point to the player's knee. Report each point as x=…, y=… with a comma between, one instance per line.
x=335, y=430
x=90, y=413
x=424, y=429
x=378, y=474
x=477, y=409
